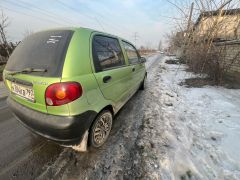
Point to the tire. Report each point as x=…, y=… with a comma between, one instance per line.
x=100, y=129
x=142, y=86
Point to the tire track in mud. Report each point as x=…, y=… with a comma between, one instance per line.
x=148, y=150
x=121, y=156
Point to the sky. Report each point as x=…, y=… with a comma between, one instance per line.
x=143, y=22
x=144, y=19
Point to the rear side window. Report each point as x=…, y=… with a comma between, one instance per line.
x=107, y=53
x=132, y=54
x=43, y=50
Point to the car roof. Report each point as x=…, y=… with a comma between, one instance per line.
x=87, y=29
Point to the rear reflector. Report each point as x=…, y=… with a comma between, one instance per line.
x=62, y=93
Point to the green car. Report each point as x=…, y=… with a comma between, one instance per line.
x=67, y=84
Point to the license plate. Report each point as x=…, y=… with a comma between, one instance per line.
x=23, y=91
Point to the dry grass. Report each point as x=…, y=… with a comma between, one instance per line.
x=197, y=42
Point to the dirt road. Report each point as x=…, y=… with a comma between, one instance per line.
x=27, y=156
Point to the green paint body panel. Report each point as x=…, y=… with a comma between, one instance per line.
x=78, y=67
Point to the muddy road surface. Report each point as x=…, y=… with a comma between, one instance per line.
x=24, y=155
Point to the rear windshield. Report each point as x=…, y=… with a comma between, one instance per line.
x=43, y=50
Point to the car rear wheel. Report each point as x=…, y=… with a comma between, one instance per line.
x=100, y=129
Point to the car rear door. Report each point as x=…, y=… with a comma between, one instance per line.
x=111, y=72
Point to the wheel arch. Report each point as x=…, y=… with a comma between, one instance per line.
x=108, y=107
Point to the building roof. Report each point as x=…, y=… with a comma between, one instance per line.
x=216, y=13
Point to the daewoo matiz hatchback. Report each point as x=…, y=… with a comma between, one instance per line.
x=67, y=84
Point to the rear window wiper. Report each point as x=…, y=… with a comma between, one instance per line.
x=27, y=70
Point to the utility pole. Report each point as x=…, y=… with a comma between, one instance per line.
x=190, y=17
x=160, y=45
x=187, y=37
x=135, y=36
x=223, y=5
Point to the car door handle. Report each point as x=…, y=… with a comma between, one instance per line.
x=106, y=79
x=133, y=69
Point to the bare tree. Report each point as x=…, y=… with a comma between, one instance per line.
x=4, y=23
x=200, y=44
x=6, y=47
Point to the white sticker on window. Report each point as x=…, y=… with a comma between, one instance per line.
x=53, y=39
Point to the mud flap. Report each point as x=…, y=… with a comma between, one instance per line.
x=82, y=147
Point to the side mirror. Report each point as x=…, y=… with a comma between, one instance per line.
x=143, y=60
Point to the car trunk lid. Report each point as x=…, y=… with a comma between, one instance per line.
x=42, y=51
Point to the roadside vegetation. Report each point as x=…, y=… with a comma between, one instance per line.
x=6, y=47
x=1, y=70
x=207, y=39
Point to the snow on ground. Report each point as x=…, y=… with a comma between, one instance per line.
x=151, y=59
x=189, y=133
x=166, y=132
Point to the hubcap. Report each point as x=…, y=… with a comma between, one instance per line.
x=102, y=128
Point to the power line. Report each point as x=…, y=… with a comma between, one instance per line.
x=116, y=27
x=101, y=16
x=20, y=12
x=77, y=11
x=44, y=13
x=54, y=17
x=74, y=9
x=100, y=24
x=50, y=13
x=106, y=17
x=168, y=17
x=119, y=29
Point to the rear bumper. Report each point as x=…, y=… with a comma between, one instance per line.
x=65, y=130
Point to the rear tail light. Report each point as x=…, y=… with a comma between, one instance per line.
x=62, y=93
